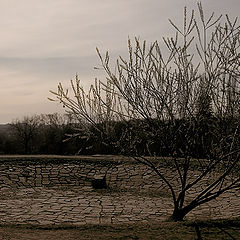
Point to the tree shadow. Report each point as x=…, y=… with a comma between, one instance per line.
x=230, y=229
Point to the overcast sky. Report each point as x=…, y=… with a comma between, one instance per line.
x=49, y=41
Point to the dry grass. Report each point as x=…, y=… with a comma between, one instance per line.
x=225, y=229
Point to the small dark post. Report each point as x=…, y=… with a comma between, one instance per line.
x=99, y=183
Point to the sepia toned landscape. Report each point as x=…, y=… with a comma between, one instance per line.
x=148, y=149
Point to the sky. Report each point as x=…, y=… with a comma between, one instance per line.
x=46, y=42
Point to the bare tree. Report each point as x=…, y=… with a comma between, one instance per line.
x=26, y=131
x=184, y=98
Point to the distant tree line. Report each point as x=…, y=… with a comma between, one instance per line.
x=38, y=134
x=53, y=134
x=201, y=137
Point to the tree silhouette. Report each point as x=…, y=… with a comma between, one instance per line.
x=175, y=98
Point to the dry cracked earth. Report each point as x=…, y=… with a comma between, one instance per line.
x=33, y=200
x=76, y=206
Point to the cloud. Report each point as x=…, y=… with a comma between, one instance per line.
x=46, y=42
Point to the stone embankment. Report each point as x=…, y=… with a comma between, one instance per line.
x=56, y=190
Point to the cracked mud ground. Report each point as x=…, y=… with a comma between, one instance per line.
x=43, y=206
x=58, y=191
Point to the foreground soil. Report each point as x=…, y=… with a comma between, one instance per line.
x=227, y=229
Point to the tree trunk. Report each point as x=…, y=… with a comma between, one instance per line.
x=180, y=213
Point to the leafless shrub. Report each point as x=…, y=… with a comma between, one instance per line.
x=184, y=98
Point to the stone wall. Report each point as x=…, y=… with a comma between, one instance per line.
x=120, y=173
x=58, y=190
